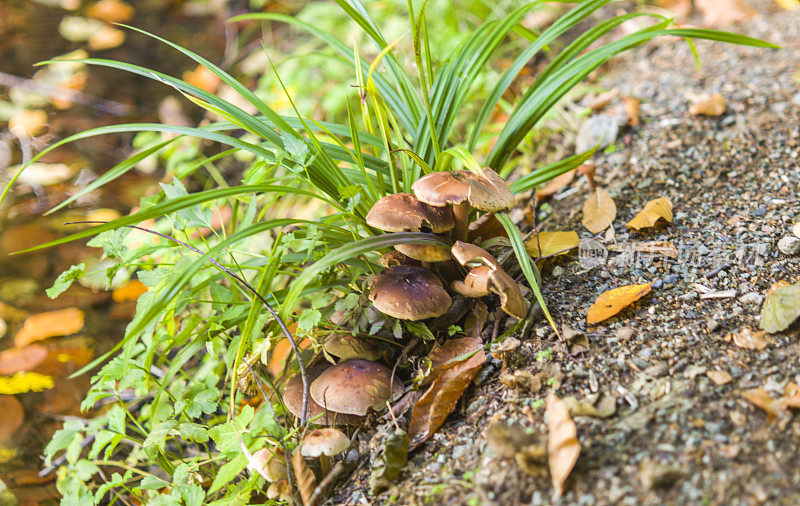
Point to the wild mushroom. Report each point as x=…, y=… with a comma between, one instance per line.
x=403, y=212
x=409, y=293
x=280, y=491
x=511, y=299
x=293, y=399
x=394, y=259
x=269, y=463
x=355, y=386
x=475, y=284
x=324, y=444
x=589, y=169
x=346, y=347
x=484, y=190
x=470, y=255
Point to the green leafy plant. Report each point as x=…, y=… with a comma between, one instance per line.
x=169, y=418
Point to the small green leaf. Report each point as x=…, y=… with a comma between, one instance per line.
x=309, y=319
x=65, y=279
x=420, y=330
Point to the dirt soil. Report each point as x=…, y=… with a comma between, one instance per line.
x=675, y=436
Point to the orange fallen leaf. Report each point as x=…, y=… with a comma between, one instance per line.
x=599, y=211
x=717, y=13
x=563, y=447
x=439, y=400
x=719, y=377
x=112, y=11
x=709, y=105
x=762, y=399
x=651, y=213
x=129, y=291
x=555, y=185
x=28, y=122
x=552, y=243
x=21, y=359
x=62, y=322
x=613, y=301
x=202, y=78
x=107, y=37
x=632, y=109
x=11, y=416
x=749, y=340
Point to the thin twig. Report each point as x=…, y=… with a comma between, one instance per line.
x=281, y=323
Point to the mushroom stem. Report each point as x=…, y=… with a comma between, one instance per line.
x=461, y=214
x=325, y=465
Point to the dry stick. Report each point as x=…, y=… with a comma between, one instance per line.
x=334, y=473
x=301, y=364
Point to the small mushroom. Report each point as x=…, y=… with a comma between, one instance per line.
x=511, y=299
x=409, y=293
x=589, y=169
x=355, y=386
x=324, y=444
x=424, y=252
x=394, y=259
x=280, y=490
x=269, y=463
x=470, y=255
x=475, y=284
x=346, y=347
x=484, y=190
x=293, y=399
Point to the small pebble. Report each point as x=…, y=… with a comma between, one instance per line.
x=712, y=325
x=796, y=229
x=752, y=298
x=789, y=245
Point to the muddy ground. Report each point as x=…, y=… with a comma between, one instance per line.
x=676, y=436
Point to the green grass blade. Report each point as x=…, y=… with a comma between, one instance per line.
x=548, y=172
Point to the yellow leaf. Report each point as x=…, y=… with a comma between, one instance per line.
x=25, y=382
x=563, y=447
x=653, y=210
x=613, y=301
x=599, y=211
x=552, y=243
x=789, y=5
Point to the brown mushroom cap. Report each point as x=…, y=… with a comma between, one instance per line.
x=424, y=252
x=394, y=258
x=470, y=255
x=486, y=191
x=511, y=300
x=327, y=441
x=409, y=293
x=355, y=386
x=402, y=212
x=293, y=399
x=346, y=347
x=269, y=463
x=475, y=284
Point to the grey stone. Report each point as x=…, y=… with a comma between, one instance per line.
x=789, y=245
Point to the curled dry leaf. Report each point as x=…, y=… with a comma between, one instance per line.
x=552, y=243
x=781, y=308
x=62, y=322
x=441, y=397
x=306, y=481
x=599, y=211
x=11, y=416
x=709, y=105
x=651, y=213
x=762, y=399
x=613, y=301
x=748, y=339
x=563, y=447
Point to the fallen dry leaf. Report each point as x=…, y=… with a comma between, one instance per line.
x=129, y=291
x=762, y=399
x=441, y=397
x=603, y=99
x=202, y=78
x=781, y=308
x=62, y=322
x=789, y=5
x=485, y=227
x=599, y=211
x=11, y=416
x=632, y=109
x=555, y=185
x=552, y=243
x=719, y=377
x=613, y=301
x=748, y=339
x=23, y=382
x=718, y=13
x=563, y=447
x=107, y=37
x=112, y=11
x=651, y=213
x=664, y=248
x=709, y=105
x=28, y=122
x=15, y=360
x=306, y=481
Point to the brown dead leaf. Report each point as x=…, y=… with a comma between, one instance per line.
x=603, y=99
x=555, y=185
x=552, y=243
x=719, y=13
x=719, y=377
x=62, y=322
x=16, y=360
x=792, y=397
x=306, y=481
x=11, y=416
x=632, y=109
x=709, y=105
x=749, y=339
x=651, y=213
x=613, y=301
x=599, y=211
x=762, y=399
x=129, y=291
x=112, y=11
x=563, y=447
x=441, y=397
